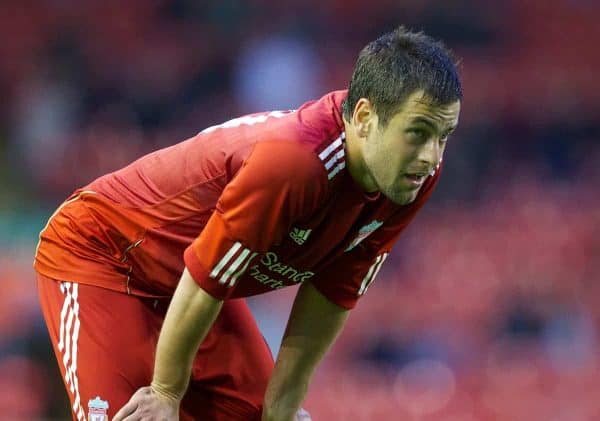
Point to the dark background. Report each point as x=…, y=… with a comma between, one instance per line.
x=489, y=308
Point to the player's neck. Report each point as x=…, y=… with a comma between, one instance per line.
x=355, y=161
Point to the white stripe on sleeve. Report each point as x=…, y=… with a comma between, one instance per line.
x=327, y=151
x=235, y=277
x=376, y=272
x=336, y=170
x=225, y=259
x=372, y=273
x=236, y=263
x=336, y=156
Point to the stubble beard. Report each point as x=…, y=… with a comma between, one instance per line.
x=402, y=198
x=398, y=195
x=393, y=190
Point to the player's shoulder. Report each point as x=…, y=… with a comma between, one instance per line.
x=307, y=141
x=314, y=135
x=286, y=158
x=300, y=157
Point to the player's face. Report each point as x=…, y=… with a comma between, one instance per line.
x=399, y=156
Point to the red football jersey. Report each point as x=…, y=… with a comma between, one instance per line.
x=258, y=203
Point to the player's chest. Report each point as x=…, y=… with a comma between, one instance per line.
x=319, y=240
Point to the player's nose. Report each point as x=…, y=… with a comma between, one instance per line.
x=430, y=153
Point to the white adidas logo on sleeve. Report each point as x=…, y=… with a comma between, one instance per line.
x=299, y=235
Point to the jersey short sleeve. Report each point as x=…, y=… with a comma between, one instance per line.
x=278, y=183
x=346, y=279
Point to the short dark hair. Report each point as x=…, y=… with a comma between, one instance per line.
x=397, y=64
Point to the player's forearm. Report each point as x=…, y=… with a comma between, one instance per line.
x=288, y=385
x=314, y=324
x=191, y=314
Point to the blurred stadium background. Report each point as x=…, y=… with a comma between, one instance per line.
x=490, y=306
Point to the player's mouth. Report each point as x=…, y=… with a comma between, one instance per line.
x=416, y=179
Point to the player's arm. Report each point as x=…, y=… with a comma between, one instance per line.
x=189, y=317
x=321, y=309
x=314, y=324
x=254, y=211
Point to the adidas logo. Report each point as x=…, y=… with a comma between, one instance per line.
x=299, y=235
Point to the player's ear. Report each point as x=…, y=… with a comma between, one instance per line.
x=364, y=118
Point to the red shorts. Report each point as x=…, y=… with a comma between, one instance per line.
x=105, y=342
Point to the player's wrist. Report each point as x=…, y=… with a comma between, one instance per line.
x=284, y=403
x=164, y=393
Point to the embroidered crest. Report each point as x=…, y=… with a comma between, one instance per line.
x=364, y=232
x=97, y=409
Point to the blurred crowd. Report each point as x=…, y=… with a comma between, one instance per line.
x=489, y=308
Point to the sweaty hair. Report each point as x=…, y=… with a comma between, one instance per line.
x=397, y=64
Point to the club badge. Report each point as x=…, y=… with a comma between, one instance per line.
x=97, y=409
x=364, y=232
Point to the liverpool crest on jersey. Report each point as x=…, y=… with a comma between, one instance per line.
x=364, y=232
x=97, y=409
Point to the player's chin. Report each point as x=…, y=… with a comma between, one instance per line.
x=404, y=197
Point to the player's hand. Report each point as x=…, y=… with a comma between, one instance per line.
x=302, y=415
x=148, y=405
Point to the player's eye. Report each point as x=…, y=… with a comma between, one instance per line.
x=445, y=137
x=418, y=134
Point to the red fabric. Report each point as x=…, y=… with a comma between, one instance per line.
x=109, y=341
x=258, y=203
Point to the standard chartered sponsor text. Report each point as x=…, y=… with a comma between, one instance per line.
x=270, y=262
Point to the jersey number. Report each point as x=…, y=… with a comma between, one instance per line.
x=248, y=120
